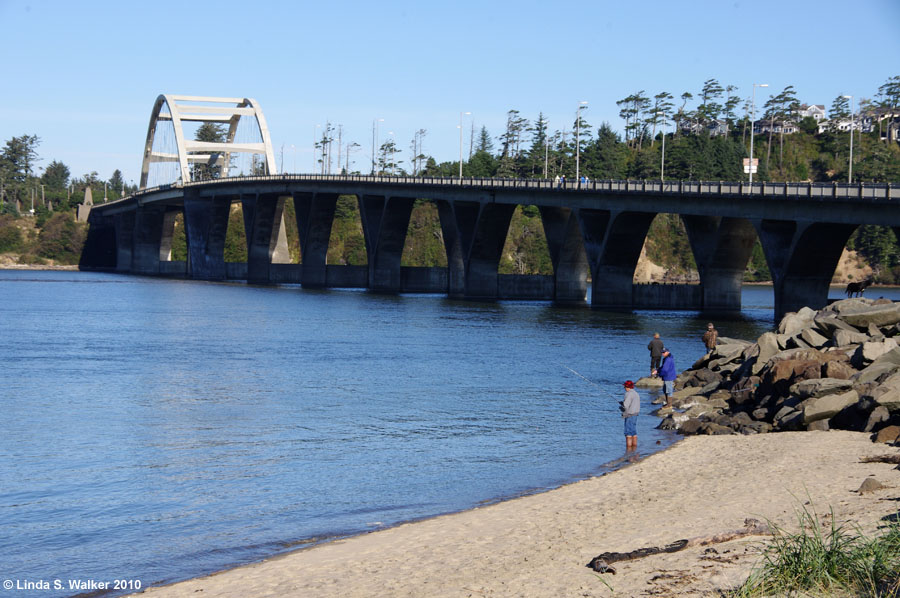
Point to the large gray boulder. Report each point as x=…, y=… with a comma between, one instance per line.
x=845, y=338
x=820, y=387
x=793, y=323
x=724, y=340
x=887, y=394
x=768, y=348
x=828, y=324
x=648, y=382
x=862, y=315
x=870, y=351
x=687, y=391
x=728, y=352
x=878, y=416
x=892, y=356
x=812, y=338
x=828, y=406
x=874, y=372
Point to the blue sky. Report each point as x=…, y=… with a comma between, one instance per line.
x=83, y=76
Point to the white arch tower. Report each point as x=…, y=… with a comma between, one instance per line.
x=180, y=109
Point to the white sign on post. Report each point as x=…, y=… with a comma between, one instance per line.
x=747, y=165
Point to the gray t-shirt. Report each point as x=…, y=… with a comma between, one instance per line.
x=632, y=403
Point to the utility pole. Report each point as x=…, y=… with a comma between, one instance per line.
x=752, y=119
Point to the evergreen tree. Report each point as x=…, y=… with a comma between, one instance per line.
x=56, y=175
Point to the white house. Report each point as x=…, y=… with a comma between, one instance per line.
x=816, y=111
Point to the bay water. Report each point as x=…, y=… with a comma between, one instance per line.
x=155, y=430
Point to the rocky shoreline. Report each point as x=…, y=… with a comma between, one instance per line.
x=838, y=368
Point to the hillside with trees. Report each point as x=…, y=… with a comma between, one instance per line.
x=706, y=134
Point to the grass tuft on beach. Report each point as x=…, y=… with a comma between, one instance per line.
x=826, y=559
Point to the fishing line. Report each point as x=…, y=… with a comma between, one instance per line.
x=580, y=376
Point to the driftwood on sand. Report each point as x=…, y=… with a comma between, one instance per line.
x=895, y=459
x=602, y=562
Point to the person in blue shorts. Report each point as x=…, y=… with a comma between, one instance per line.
x=631, y=407
x=668, y=374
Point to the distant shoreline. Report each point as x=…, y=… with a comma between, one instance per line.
x=36, y=267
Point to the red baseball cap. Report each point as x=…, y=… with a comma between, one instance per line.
x=629, y=384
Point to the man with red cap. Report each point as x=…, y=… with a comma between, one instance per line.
x=631, y=407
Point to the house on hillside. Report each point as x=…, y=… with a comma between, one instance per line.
x=861, y=122
x=713, y=128
x=888, y=120
x=761, y=127
x=815, y=111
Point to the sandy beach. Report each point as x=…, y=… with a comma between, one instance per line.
x=539, y=545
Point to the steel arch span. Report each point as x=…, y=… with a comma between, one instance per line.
x=226, y=111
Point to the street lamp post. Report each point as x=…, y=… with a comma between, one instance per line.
x=662, y=164
x=546, y=153
x=393, y=151
x=460, y=141
x=752, y=120
x=850, y=168
x=581, y=106
x=374, y=136
x=315, y=134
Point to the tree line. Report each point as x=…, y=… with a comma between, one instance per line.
x=704, y=141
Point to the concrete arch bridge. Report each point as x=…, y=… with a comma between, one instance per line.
x=595, y=232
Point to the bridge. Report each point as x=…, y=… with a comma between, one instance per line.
x=595, y=231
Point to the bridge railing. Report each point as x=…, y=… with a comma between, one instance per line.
x=821, y=191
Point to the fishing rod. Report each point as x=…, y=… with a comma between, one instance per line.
x=580, y=376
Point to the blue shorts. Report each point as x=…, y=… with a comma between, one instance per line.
x=631, y=425
x=668, y=387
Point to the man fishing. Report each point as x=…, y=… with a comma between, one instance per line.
x=631, y=407
x=668, y=374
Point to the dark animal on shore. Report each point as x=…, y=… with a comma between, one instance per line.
x=859, y=287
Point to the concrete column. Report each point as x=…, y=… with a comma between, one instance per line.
x=148, y=232
x=487, y=247
x=262, y=221
x=802, y=258
x=566, y=247
x=315, y=215
x=205, y=225
x=613, y=243
x=124, y=240
x=458, y=222
x=721, y=248
x=100, y=246
x=385, y=223
x=167, y=233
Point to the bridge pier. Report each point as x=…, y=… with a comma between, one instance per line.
x=205, y=225
x=802, y=258
x=567, y=254
x=385, y=222
x=100, y=246
x=315, y=215
x=263, y=225
x=474, y=235
x=613, y=243
x=149, y=223
x=124, y=240
x=721, y=248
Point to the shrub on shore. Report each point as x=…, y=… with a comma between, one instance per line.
x=826, y=559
